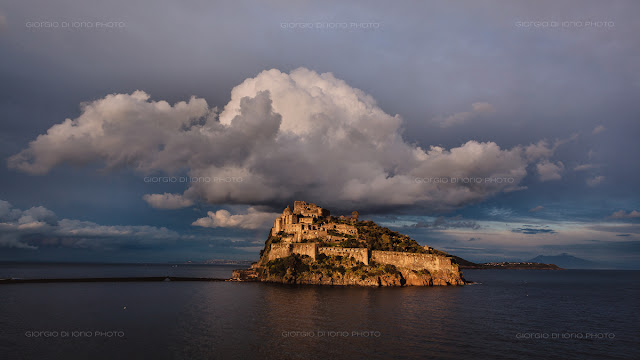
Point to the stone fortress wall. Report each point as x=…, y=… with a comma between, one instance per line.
x=358, y=253
x=310, y=249
x=297, y=225
x=280, y=250
x=411, y=261
x=401, y=260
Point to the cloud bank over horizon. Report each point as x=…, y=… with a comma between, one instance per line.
x=39, y=227
x=284, y=137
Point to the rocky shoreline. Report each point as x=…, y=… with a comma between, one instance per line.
x=336, y=271
x=406, y=278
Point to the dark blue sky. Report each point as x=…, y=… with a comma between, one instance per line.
x=366, y=106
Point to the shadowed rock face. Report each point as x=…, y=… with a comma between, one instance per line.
x=360, y=259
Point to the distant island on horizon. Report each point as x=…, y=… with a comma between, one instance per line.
x=541, y=262
x=510, y=265
x=568, y=261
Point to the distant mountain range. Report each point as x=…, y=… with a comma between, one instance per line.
x=566, y=261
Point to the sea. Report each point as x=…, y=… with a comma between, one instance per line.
x=504, y=314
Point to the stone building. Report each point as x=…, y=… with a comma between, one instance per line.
x=308, y=222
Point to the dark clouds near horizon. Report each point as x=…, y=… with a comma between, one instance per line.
x=453, y=72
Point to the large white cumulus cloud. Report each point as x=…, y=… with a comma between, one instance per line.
x=120, y=129
x=301, y=135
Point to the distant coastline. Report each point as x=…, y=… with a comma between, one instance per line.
x=514, y=266
x=511, y=265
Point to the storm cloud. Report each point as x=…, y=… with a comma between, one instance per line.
x=281, y=136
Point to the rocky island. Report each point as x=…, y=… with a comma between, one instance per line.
x=307, y=245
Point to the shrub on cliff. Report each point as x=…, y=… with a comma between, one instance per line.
x=390, y=269
x=294, y=262
x=352, y=243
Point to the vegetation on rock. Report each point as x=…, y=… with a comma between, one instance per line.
x=374, y=237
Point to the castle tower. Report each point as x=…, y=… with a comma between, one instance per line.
x=298, y=206
x=276, y=225
x=288, y=217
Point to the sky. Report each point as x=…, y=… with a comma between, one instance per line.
x=139, y=131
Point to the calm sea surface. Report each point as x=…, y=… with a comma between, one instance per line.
x=509, y=314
